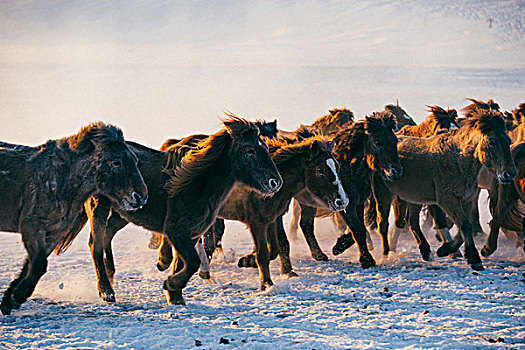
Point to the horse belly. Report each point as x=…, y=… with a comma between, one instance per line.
x=414, y=187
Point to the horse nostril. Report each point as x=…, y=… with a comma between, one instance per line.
x=273, y=183
x=136, y=197
x=338, y=203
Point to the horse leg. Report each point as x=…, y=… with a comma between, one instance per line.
x=440, y=223
x=115, y=223
x=413, y=225
x=296, y=216
x=165, y=256
x=218, y=232
x=208, y=239
x=6, y=306
x=400, y=216
x=474, y=215
x=307, y=225
x=454, y=209
x=175, y=282
x=204, y=269
x=97, y=210
x=383, y=198
x=284, y=249
x=492, y=240
x=358, y=229
x=370, y=214
x=155, y=241
x=259, y=235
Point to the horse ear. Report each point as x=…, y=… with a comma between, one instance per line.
x=333, y=112
x=274, y=125
x=315, y=147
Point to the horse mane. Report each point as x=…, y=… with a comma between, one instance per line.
x=267, y=129
x=441, y=115
x=337, y=116
x=185, y=164
x=472, y=109
x=94, y=133
x=282, y=151
x=485, y=121
x=519, y=113
x=350, y=142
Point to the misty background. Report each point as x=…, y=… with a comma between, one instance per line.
x=168, y=69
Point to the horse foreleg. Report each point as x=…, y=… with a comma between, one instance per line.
x=115, y=223
x=165, y=255
x=454, y=209
x=474, y=216
x=6, y=306
x=400, y=216
x=185, y=248
x=307, y=226
x=441, y=224
x=284, y=249
x=204, y=269
x=358, y=230
x=413, y=224
x=98, y=212
x=296, y=216
x=262, y=256
x=383, y=198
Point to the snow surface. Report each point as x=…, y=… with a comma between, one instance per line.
x=161, y=70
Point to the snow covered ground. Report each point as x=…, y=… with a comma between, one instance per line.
x=161, y=70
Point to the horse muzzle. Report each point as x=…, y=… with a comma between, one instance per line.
x=505, y=177
x=135, y=201
x=338, y=204
x=272, y=185
x=393, y=173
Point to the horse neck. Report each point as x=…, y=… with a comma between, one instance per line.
x=80, y=188
x=464, y=143
x=292, y=173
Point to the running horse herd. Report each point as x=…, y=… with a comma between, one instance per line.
x=353, y=171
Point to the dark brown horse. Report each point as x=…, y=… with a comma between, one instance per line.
x=45, y=188
x=439, y=121
x=306, y=167
x=507, y=203
x=307, y=222
x=187, y=188
x=366, y=147
x=444, y=170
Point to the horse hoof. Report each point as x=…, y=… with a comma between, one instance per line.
x=477, y=266
x=266, y=285
x=428, y=256
x=486, y=252
x=320, y=256
x=446, y=249
x=367, y=261
x=161, y=267
x=14, y=304
x=247, y=261
x=205, y=275
x=290, y=274
x=6, y=310
x=108, y=297
x=174, y=297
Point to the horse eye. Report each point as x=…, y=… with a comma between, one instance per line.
x=115, y=163
x=319, y=171
x=491, y=143
x=250, y=152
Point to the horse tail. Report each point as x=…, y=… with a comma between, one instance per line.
x=66, y=241
x=371, y=214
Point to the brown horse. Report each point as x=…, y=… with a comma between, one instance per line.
x=443, y=170
x=439, y=121
x=306, y=167
x=507, y=203
x=364, y=148
x=307, y=222
x=45, y=188
x=187, y=188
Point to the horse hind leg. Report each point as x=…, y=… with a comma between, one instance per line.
x=400, y=214
x=165, y=255
x=204, y=269
x=284, y=249
x=296, y=216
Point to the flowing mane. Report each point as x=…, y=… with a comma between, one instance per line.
x=485, y=121
x=185, y=164
x=350, y=142
x=519, y=113
x=439, y=119
x=97, y=132
x=282, y=151
x=472, y=109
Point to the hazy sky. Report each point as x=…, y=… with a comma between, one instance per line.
x=162, y=69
